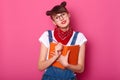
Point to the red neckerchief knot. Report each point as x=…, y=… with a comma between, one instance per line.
x=62, y=36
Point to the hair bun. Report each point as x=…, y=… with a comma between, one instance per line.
x=63, y=4
x=57, y=9
x=48, y=13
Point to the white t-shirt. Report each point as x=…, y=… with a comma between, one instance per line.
x=45, y=39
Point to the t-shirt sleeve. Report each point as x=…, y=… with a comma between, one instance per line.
x=81, y=39
x=44, y=39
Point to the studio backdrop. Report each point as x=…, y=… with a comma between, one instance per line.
x=23, y=21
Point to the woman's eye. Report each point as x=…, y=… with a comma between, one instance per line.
x=56, y=17
x=63, y=14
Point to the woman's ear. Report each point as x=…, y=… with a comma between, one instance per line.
x=54, y=22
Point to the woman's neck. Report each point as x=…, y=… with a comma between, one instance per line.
x=65, y=28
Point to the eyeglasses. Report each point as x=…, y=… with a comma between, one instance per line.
x=60, y=16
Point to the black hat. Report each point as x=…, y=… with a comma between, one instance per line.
x=57, y=9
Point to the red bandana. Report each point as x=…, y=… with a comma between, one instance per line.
x=62, y=36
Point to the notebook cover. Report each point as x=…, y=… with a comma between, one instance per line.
x=73, y=55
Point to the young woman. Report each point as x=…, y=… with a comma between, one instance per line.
x=63, y=34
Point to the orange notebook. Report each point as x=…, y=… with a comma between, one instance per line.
x=73, y=55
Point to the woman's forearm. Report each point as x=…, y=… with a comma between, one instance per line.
x=76, y=68
x=42, y=65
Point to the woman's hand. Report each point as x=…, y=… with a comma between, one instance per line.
x=58, y=49
x=64, y=59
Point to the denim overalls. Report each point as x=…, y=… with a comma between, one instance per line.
x=54, y=73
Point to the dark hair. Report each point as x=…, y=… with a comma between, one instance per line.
x=57, y=9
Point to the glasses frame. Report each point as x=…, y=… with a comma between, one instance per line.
x=59, y=16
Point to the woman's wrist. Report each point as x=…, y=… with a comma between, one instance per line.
x=57, y=54
x=66, y=65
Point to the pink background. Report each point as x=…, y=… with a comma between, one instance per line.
x=23, y=21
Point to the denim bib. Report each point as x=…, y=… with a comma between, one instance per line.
x=54, y=73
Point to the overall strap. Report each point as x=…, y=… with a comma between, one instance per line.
x=50, y=36
x=74, y=38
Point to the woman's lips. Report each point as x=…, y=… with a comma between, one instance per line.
x=63, y=22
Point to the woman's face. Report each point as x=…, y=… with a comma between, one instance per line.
x=62, y=20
